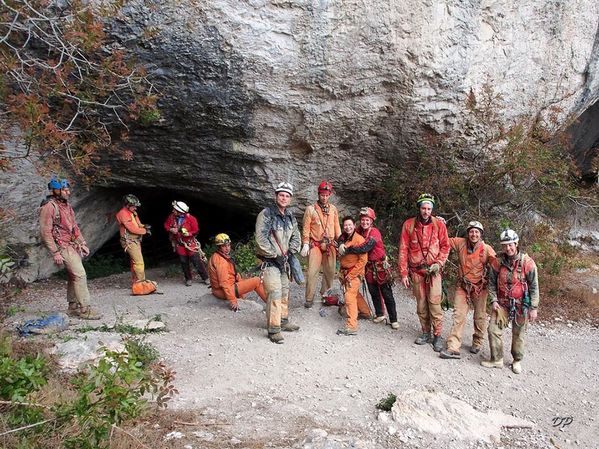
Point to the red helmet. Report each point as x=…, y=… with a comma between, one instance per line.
x=325, y=187
x=367, y=212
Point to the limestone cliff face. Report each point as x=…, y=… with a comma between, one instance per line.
x=266, y=90
x=258, y=91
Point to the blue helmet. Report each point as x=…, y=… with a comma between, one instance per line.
x=65, y=184
x=54, y=183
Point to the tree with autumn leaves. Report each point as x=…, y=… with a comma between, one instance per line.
x=67, y=94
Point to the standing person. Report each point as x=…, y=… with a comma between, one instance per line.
x=474, y=255
x=423, y=250
x=277, y=239
x=132, y=232
x=321, y=229
x=62, y=237
x=378, y=273
x=351, y=273
x=183, y=229
x=514, y=297
x=225, y=281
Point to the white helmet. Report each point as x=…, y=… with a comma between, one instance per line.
x=284, y=187
x=181, y=207
x=508, y=236
x=475, y=224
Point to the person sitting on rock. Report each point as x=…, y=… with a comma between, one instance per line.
x=183, y=230
x=225, y=281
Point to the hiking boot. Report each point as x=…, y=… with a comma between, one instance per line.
x=188, y=282
x=423, y=339
x=73, y=311
x=437, y=343
x=276, y=338
x=379, y=319
x=395, y=325
x=447, y=354
x=492, y=363
x=347, y=331
x=517, y=367
x=475, y=349
x=308, y=304
x=88, y=313
x=288, y=327
x=364, y=316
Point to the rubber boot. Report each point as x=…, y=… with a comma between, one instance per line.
x=438, y=343
x=423, y=339
x=276, y=338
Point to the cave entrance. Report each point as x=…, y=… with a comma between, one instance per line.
x=584, y=137
x=156, y=205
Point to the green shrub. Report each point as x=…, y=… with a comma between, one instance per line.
x=19, y=377
x=386, y=404
x=100, y=266
x=245, y=257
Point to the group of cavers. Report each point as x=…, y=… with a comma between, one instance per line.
x=501, y=289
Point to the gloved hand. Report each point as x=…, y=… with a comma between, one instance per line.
x=434, y=269
x=233, y=306
x=305, y=250
x=148, y=230
x=501, y=318
x=58, y=260
x=341, y=249
x=185, y=232
x=84, y=250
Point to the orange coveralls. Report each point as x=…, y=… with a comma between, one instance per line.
x=471, y=289
x=351, y=272
x=420, y=246
x=316, y=226
x=60, y=234
x=227, y=284
x=131, y=232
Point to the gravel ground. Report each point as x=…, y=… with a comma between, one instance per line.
x=319, y=390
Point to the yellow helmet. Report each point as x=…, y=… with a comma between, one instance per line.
x=221, y=239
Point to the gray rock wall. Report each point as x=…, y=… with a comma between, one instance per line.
x=257, y=91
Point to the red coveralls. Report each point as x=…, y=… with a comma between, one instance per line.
x=420, y=246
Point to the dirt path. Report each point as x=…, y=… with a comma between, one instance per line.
x=320, y=390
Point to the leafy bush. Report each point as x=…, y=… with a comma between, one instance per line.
x=386, y=404
x=104, y=265
x=245, y=257
x=106, y=395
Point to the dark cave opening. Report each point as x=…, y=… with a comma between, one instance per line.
x=584, y=139
x=156, y=205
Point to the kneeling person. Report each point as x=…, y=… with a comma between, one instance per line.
x=225, y=281
x=351, y=273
